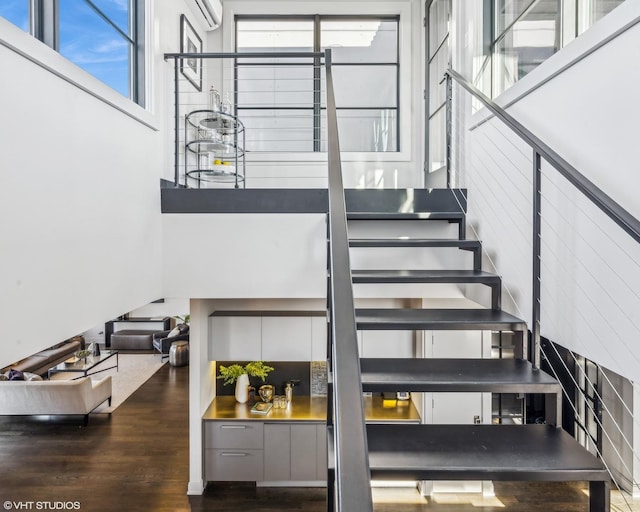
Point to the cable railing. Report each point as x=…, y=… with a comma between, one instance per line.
x=541, y=150
x=228, y=105
x=581, y=246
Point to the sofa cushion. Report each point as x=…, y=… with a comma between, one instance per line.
x=31, y=363
x=16, y=375
x=53, y=354
x=132, y=340
x=174, y=332
x=79, y=396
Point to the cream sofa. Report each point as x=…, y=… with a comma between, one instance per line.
x=53, y=397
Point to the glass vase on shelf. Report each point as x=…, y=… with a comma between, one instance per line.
x=226, y=104
x=214, y=99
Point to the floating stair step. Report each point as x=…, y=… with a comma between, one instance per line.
x=450, y=216
x=470, y=245
x=458, y=218
x=437, y=319
x=431, y=277
x=466, y=245
x=411, y=200
x=453, y=375
x=425, y=276
x=479, y=452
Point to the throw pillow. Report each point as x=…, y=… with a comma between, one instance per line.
x=184, y=328
x=16, y=375
x=31, y=376
x=174, y=332
x=4, y=376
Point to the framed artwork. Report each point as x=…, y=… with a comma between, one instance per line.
x=190, y=43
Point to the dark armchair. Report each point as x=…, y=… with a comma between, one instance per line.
x=162, y=340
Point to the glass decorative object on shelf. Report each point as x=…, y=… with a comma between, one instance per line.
x=214, y=99
x=226, y=104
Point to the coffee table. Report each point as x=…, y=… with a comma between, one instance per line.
x=86, y=365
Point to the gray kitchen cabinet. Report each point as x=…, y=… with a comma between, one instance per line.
x=292, y=452
x=303, y=452
x=286, y=338
x=233, y=451
x=235, y=338
x=321, y=453
x=277, y=453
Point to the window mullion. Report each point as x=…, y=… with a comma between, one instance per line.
x=110, y=22
x=44, y=22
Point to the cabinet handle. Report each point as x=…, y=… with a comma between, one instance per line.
x=235, y=427
x=234, y=454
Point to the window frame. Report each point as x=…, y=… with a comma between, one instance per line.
x=409, y=64
x=317, y=106
x=44, y=25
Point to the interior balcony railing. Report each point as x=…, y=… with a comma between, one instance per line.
x=228, y=106
x=584, y=252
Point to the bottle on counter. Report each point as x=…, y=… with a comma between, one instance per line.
x=288, y=392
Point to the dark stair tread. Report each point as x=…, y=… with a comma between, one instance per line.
x=424, y=276
x=437, y=319
x=457, y=216
x=479, y=452
x=407, y=200
x=414, y=242
x=447, y=375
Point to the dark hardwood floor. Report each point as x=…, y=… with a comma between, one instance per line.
x=137, y=460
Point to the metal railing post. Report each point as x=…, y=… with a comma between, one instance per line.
x=176, y=107
x=448, y=126
x=537, y=221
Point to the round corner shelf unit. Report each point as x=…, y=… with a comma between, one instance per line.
x=214, y=148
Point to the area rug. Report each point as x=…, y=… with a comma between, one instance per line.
x=133, y=371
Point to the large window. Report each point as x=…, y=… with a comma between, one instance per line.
x=527, y=32
x=103, y=37
x=282, y=101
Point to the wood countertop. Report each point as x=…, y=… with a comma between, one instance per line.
x=311, y=409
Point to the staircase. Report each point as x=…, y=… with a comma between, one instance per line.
x=538, y=452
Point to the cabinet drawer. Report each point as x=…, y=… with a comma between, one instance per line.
x=233, y=434
x=232, y=465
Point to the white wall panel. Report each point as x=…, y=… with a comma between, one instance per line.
x=590, y=274
x=245, y=256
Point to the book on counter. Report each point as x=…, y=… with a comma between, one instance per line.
x=261, y=408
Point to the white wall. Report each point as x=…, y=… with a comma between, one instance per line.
x=80, y=201
x=590, y=276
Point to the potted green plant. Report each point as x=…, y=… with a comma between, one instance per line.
x=239, y=375
x=183, y=319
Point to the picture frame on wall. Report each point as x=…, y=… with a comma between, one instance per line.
x=190, y=42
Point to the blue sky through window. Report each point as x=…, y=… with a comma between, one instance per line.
x=17, y=12
x=86, y=39
x=89, y=41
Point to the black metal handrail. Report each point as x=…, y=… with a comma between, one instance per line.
x=352, y=476
x=624, y=219
x=616, y=212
